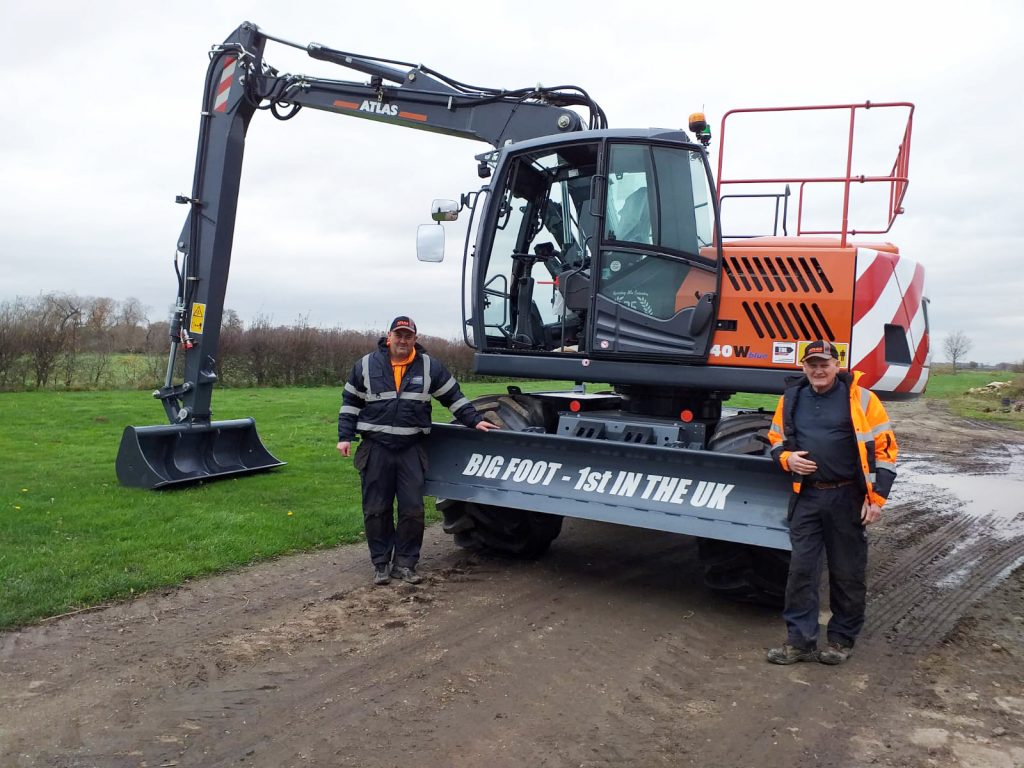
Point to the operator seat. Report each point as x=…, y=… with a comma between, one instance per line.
x=635, y=218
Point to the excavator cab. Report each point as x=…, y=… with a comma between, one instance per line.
x=604, y=246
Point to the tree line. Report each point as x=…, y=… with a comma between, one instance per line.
x=63, y=341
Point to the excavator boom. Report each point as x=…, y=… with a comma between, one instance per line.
x=239, y=83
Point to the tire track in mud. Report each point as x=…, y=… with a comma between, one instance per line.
x=921, y=612
x=916, y=599
x=924, y=576
x=894, y=571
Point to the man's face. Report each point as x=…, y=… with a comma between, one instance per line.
x=821, y=372
x=402, y=342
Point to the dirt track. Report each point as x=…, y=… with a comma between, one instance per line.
x=604, y=653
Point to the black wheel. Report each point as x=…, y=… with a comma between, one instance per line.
x=518, y=413
x=516, y=533
x=743, y=571
x=745, y=433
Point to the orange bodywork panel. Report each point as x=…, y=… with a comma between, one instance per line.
x=778, y=293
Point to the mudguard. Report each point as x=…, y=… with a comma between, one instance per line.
x=699, y=493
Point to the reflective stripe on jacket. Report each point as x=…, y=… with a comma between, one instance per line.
x=374, y=408
x=876, y=442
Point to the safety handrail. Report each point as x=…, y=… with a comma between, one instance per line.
x=898, y=178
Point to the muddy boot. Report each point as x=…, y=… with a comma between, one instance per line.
x=381, y=575
x=790, y=654
x=406, y=574
x=836, y=653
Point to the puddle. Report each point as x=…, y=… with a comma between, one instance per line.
x=997, y=499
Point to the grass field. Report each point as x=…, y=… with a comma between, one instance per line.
x=954, y=389
x=72, y=537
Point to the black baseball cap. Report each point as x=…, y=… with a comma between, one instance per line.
x=821, y=349
x=402, y=323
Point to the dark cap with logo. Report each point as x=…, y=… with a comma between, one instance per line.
x=820, y=349
x=402, y=323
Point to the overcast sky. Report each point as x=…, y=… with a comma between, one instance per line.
x=102, y=113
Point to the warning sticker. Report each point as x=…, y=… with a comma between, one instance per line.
x=842, y=349
x=198, y=316
x=784, y=352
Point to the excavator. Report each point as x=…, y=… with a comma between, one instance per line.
x=596, y=256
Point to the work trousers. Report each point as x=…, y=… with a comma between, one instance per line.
x=826, y=522
x=388, y=474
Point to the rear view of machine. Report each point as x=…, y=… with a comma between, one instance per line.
x=600, y=258
x=818, y=283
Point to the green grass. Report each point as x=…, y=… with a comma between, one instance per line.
x=946, y=385
x=953, y=388
x=72, y=537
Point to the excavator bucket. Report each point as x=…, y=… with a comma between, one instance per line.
x=173, y=455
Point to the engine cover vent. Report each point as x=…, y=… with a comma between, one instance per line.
x=777, y=274
x=787, y=320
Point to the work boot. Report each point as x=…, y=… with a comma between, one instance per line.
x=381, y=575
x=406, y=573
x=836, y=653
x=790, y=654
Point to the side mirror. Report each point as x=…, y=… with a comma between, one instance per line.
x=430, y=243
x=444, y=210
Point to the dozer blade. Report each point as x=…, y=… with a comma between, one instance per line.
x=699, y=493
x=168, y=456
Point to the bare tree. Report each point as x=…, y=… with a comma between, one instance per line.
x=72, y=344
x=157, y=341
x=956, y=346
x=98, y=341
x=130, y=326
x=50, y=323
x=12, y=343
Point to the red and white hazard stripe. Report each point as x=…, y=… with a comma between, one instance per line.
x=220, y=99
x=889, y=291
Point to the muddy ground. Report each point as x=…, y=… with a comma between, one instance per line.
x=607, y=652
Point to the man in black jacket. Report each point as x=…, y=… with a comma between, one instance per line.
x=387, y=402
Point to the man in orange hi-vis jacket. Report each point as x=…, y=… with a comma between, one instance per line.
x=834, y=437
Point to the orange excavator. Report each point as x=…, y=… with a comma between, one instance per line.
x=595, y=255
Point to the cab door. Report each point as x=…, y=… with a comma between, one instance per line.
x=657, y=271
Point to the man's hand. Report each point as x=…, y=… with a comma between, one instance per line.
x=485, y=426
x=869, y=513
x=345, y=448
x=799, y=463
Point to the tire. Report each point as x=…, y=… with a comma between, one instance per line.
x=745, y=434
x=744, y=572
x=515, y=533
x=517, y=413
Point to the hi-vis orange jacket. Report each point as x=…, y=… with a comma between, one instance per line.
x=876, y=442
